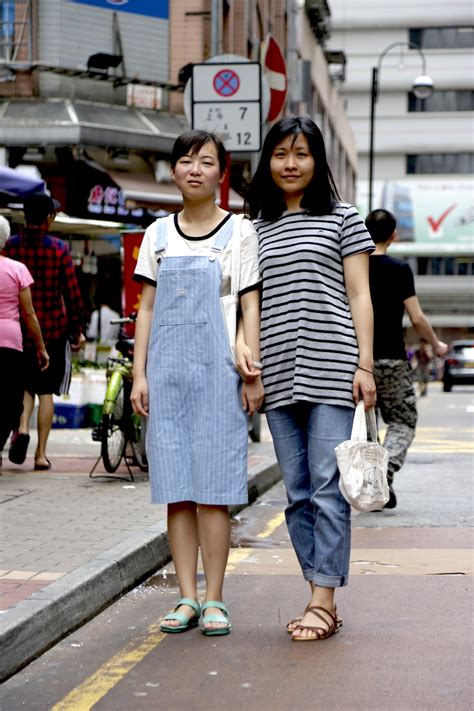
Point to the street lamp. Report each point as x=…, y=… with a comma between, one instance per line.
x=422, y=87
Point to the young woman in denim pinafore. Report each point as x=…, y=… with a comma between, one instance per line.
x=185, y=379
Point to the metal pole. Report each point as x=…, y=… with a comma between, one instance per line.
x=373, y=100
x=225, y=185
x=215, y=10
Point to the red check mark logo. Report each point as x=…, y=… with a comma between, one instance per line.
x=436, y=224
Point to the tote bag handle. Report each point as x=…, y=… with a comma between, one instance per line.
x=359, y=424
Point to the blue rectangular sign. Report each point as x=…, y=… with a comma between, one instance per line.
x=151, y=8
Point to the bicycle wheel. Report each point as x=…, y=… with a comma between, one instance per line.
x=113, y=436
x=138, y=442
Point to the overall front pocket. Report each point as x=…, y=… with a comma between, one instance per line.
x=182, y=297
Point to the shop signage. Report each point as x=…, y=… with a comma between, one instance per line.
x=131, y=289
x=151, y=8
x=91, y=193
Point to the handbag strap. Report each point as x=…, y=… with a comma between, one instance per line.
x=236, y=239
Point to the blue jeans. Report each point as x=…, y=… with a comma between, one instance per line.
x=318, y=517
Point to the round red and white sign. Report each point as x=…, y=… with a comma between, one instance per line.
x=274, y=69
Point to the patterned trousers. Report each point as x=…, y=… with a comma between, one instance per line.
x=396, y=401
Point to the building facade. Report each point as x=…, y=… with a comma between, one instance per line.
x=92, y=100
x=423, y=148
x=92, y=92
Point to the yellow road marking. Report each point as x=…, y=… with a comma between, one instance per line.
x=109, y=674
x=445, y=429
x=428, y=441
x=112, y=672
x=272, y=525
x=236, y=556
x=439, y=450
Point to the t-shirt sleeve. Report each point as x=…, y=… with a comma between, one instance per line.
x=407, y=283
x=249, y=271
x=147, y=265
x=355, y=238
x=24, y=277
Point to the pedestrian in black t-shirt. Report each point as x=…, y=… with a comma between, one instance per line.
x=392, y=289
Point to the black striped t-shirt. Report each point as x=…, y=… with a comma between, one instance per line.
x=308, y=343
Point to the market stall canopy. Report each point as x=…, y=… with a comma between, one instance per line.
x=59, y=122
x=16, y=184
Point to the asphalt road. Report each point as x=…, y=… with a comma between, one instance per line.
x=406, y=644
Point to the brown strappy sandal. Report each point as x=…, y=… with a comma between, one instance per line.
x=320, y=632
x=295, y=621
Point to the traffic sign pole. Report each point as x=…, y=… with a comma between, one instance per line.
x=225, y=185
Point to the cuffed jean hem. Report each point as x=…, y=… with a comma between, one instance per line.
x=325, y=581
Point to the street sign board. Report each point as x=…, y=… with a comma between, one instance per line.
x=226, y=100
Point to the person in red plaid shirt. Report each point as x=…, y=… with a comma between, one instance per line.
x=57, y=302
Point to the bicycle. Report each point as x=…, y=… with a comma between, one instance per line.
x=119, y=425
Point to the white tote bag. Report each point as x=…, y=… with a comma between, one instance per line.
x=230, y=302
x=363, y=465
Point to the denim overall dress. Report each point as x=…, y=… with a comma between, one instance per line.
x=197, y=433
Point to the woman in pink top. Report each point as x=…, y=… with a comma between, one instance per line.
x=15, y=300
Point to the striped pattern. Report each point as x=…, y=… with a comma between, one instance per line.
x=308, y=343
x=197, y=434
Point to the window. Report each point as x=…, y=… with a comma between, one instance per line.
x=452, y=100
x=443, y=37
x=426, y=163
x=7, y=30
x=439, y=266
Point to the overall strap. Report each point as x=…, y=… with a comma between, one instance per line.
x=161, y=236
x=222, y=238
x=233, y=231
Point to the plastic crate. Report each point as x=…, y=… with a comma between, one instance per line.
x=69, y=416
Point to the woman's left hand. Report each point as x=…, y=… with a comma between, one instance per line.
x=364, y=386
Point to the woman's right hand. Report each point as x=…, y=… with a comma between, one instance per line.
x=139, y=396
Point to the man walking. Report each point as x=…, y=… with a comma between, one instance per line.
x=57, y=302
x=392, y=289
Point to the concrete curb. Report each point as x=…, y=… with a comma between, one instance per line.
x=36, y=624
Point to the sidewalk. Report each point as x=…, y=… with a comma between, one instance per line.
x=72, y=544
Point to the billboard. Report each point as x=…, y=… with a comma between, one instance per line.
x=151, y=8
x=428, y=212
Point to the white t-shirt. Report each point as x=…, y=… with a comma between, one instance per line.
x=180, y=245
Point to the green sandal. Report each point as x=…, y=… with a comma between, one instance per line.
x=214, y=631
x=187, y=623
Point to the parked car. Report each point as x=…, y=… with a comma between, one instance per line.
x=459, y=365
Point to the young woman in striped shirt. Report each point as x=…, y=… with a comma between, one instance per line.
x=316, y=349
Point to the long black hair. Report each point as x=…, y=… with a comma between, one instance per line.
x=266, y=199
x=191, y=142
